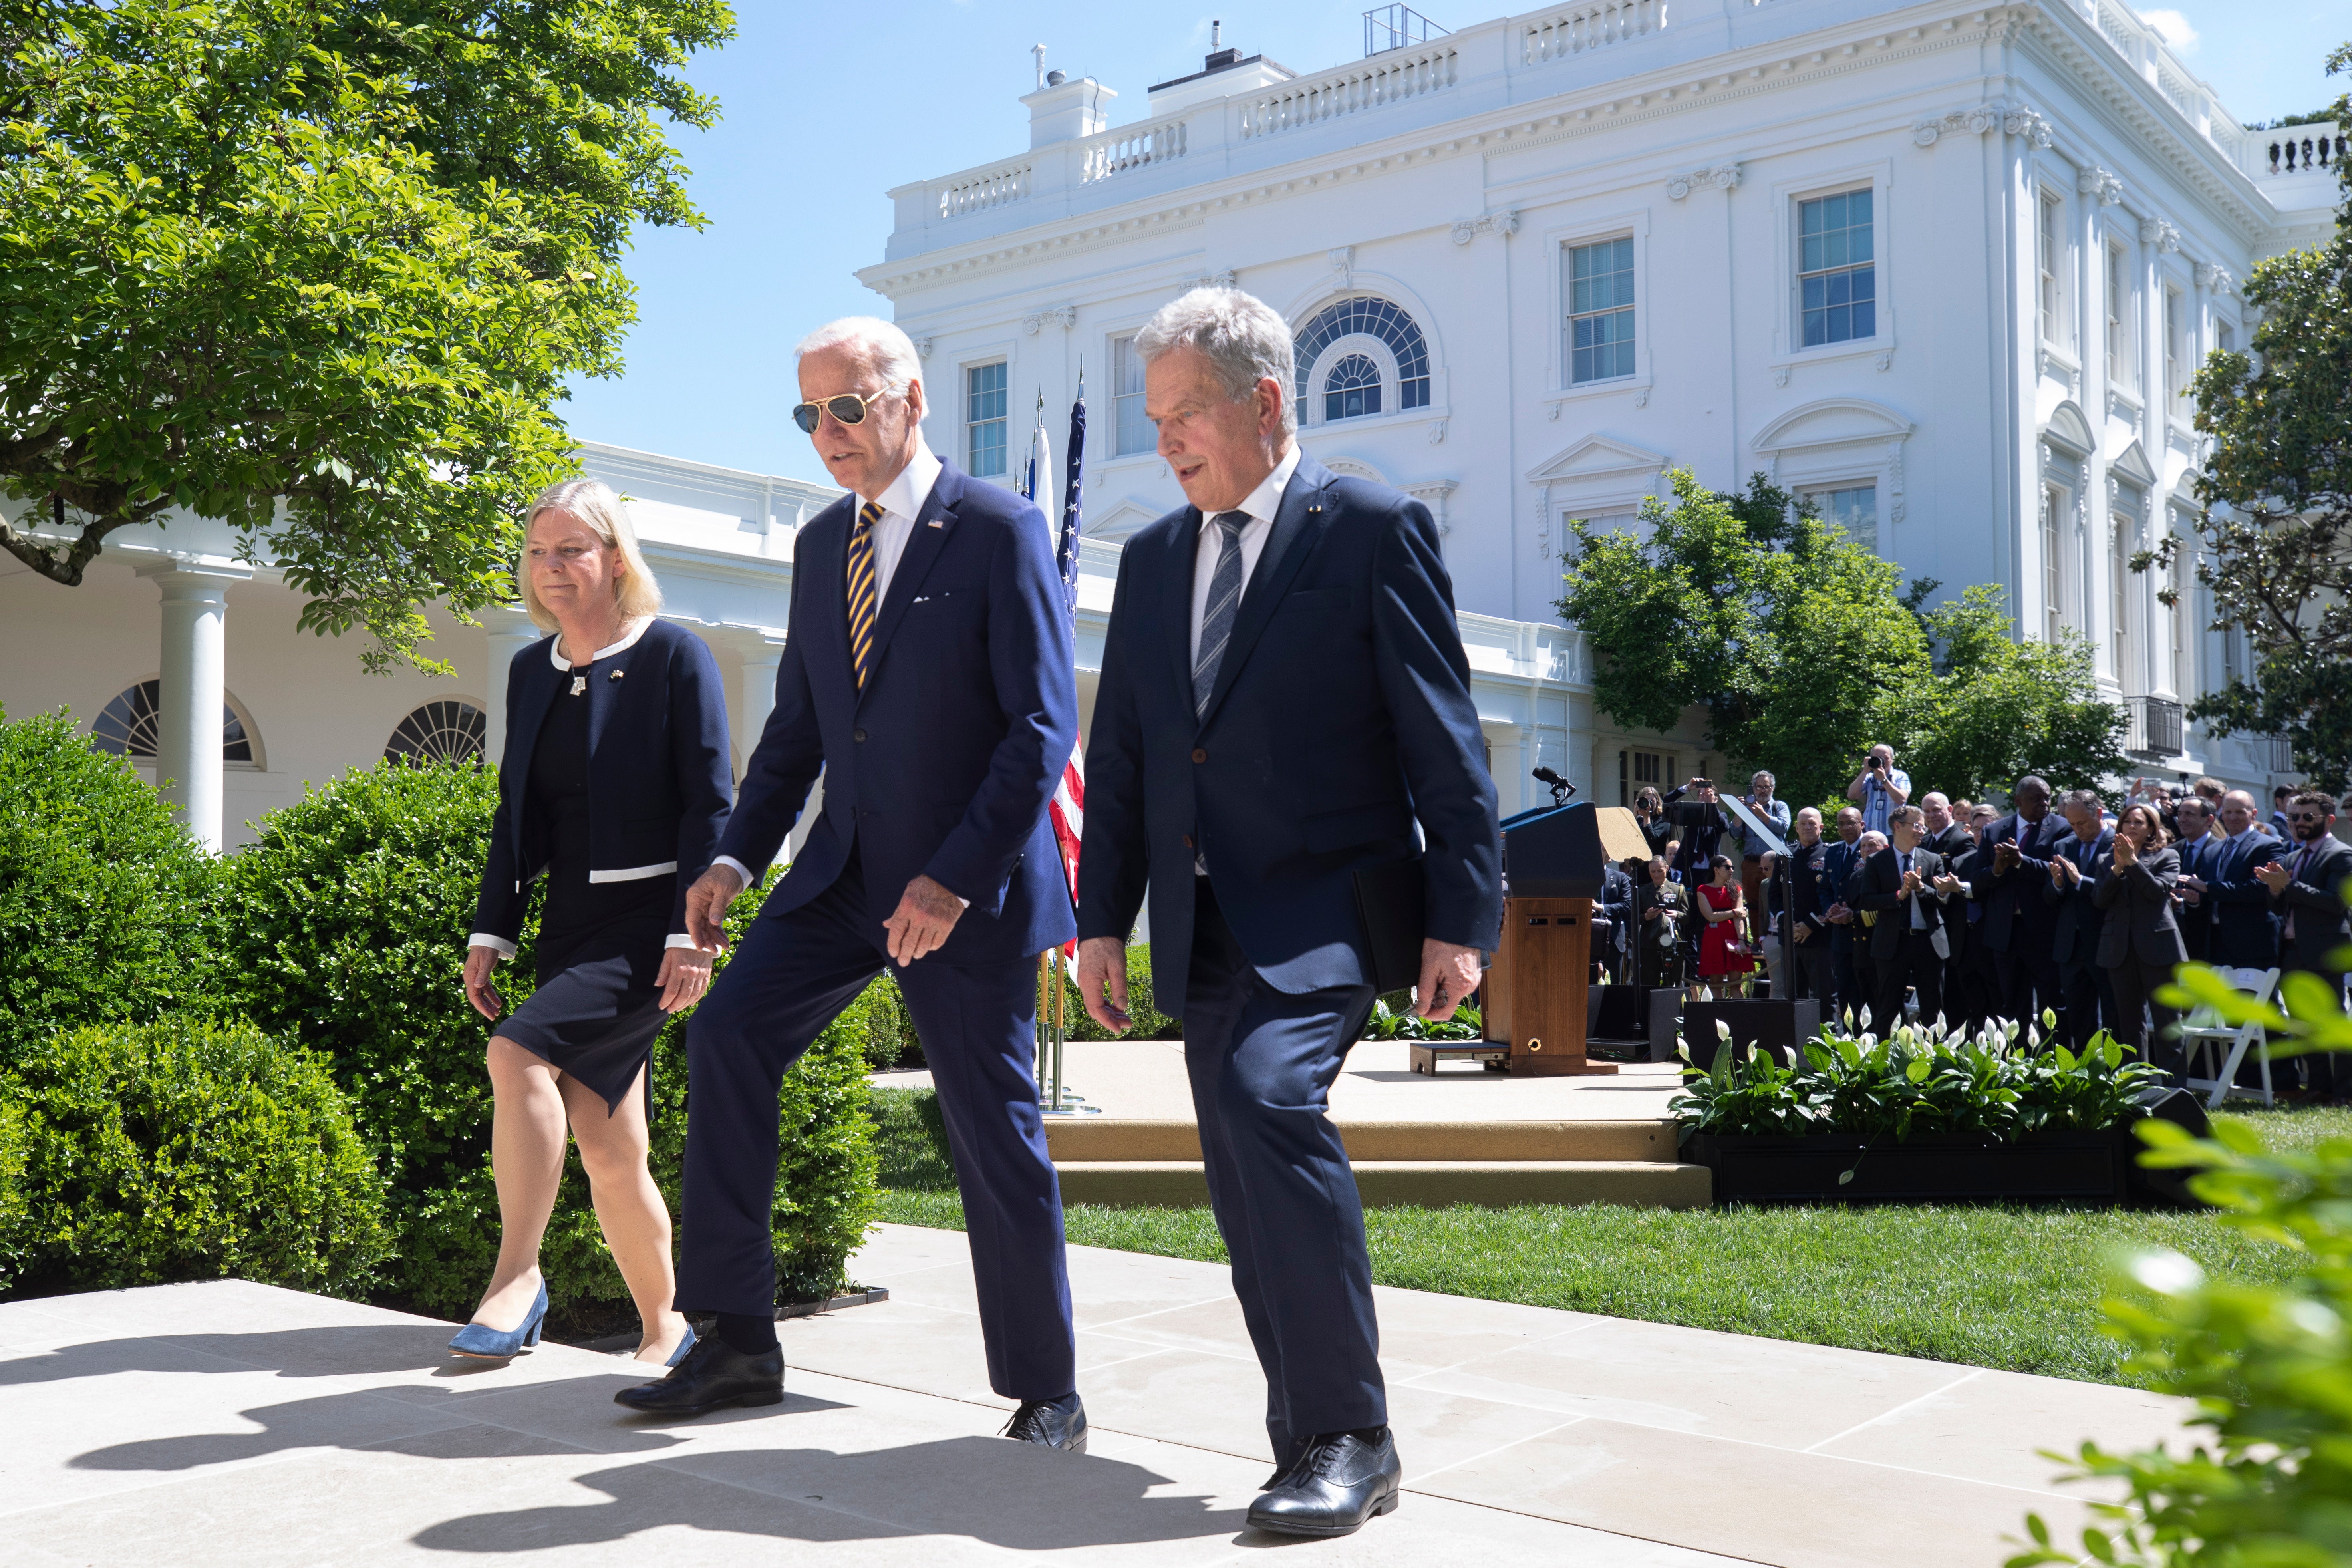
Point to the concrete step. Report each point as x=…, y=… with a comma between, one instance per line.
x=1097, y=1140
x=1431, y=1184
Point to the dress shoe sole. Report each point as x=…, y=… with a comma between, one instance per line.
x=1285, y=1527
x=757, y=1396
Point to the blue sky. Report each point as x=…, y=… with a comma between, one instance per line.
x=826, y=106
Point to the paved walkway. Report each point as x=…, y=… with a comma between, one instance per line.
x=235, y=1422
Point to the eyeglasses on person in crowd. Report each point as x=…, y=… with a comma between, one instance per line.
x=850, y=409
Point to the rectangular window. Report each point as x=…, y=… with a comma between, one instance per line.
x=984, y=403
x=2176, y=345
x=2050, y=249
x=2118, y=614
x=2118, y=317
x=1837, y=277
x=1600, y=311
x=2053, y=587
x=1853, y=508
x=2182, y=599
x=1648, y=770
x=1129, y=430
x=2225, y=337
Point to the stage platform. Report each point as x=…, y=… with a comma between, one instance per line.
x=236, y=1424
x=1463, y=1135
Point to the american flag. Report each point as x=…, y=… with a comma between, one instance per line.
x=1069, y=807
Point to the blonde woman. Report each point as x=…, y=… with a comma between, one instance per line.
x=614, y=786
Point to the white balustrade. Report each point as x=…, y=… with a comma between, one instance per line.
x=1390, y=78
x=982, y=189
x=1133, y=147
x=1556, y=35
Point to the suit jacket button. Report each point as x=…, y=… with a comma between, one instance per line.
x=857, y=734
x=1199, y=755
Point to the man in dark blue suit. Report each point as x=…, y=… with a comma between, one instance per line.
x=929, y=672
x=2199, y=852
x=2245, y=921
x=2019, y=926
x=1284, y=696
x=1838, y=863
x=2086, y=1000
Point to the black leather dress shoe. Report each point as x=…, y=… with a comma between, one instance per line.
x=713, y=1374
x=1337, y=1483
x=1049, y=1426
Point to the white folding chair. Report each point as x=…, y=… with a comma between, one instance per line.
x=2203, y=1034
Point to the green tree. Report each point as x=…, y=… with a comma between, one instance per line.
x=2274, y=546
x=319, y=270
x=1791, y=638
x=1997, y=707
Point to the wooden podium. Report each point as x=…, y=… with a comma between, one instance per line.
x=1536, y=992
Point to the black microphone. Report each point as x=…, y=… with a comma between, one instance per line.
x=1561, y=787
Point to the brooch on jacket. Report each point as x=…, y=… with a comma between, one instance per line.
x=578, y=684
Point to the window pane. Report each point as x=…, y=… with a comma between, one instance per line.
x=1130, y=431
x=1837, y=288
x=1352, y=389
x=984, y=407
x=1854, y=509
x=1601, y=318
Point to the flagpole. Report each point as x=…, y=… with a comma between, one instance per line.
x=1052, y=1018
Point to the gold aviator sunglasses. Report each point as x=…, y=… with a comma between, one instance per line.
x=850, y=409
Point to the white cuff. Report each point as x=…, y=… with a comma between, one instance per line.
x=736, y=867
x=678, y=938
x=481, y=939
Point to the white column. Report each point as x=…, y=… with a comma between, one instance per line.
x=759, y=697
x=508, y=632
x=195, y=692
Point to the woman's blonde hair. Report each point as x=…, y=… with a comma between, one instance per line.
x=595, y=504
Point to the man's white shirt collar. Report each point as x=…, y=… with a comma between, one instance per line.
x=904, y=496
x=1262, y=503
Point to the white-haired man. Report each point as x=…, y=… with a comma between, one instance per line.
x=929, y=672
x=1248, y=812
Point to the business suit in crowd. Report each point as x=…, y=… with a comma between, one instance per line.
x=1813, y=973
x=2140, y=940
x=1952, y=841
x=2245, y=918
x=1838, y=863
x=2200, y=850
x=2307, y=883
x=1246, y=813
x=2085, y=1005
x=1900, y=884
x=2019, y=925
x=929, y=672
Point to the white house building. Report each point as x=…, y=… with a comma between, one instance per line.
x=1947, y=267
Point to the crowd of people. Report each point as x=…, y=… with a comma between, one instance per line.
x=2069, y=902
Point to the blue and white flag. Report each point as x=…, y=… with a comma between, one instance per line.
x=1066, y=550
x=1037, y=481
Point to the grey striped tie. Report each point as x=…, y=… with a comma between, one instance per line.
x=1217, y=620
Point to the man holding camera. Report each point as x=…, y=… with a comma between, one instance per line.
x=1879, y=788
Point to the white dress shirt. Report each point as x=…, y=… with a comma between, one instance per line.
x=1261, y=504
x=901, y=499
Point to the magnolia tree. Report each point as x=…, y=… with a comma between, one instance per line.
x=318, y=269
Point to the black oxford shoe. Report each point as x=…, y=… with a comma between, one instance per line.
x=1337, y=1483
x=713, y=1374
x=1049, y=1426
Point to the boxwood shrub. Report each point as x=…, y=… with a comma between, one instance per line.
x=1150, y=1022
x=103, y=896
x=134, y=1154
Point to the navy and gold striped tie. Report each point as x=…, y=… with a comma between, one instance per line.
x=861, y=591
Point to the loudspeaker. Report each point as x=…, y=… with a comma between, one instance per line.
x=1779, y=1027
x=1617, y=1023
x=2167, y=1185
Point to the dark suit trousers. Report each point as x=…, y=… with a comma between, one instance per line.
x=2028, y=979
x=1262, y=1063
x=2086, y=1002
x=2133, y=985
x=1814, y=973
x=1843, y=945
x=793, y=975
x=1912, y=966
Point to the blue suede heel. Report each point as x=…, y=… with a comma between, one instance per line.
x=683, y=1346
x=494, y=1345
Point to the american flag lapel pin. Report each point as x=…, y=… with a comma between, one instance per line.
x=935, y=522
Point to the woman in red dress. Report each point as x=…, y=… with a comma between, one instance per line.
x=1723, y=947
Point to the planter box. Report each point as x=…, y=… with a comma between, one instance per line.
x=2047, y=1167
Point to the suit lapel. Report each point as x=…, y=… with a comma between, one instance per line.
x=1299, y=526
x=1176, y=595
x=932, y=525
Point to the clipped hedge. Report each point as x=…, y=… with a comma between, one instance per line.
x=103, y=896
x=134, y=1154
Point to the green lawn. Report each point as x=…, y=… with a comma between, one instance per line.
x=2013, y=1289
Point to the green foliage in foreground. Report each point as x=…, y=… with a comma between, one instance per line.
x=2017, y=1289
x=103, y=896
x=1920, y=1079
x=139, y=1154
x=2269, y=1361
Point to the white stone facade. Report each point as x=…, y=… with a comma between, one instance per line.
x=1981, y=422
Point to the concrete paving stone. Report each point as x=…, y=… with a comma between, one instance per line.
x=1692, y=1380
x=1745, y=1500
x=1987, y=1426
x=1106, y=1286
x=934, y=1350
x=109, y=1416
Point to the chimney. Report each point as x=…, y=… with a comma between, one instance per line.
x=1065, y=111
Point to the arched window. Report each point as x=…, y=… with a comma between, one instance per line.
x=1400, y=340
x=131, y=725
x=445, y=732
x=1352, y=388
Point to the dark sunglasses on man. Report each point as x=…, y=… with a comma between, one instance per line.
x=850, y=409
